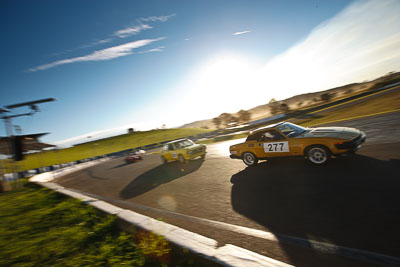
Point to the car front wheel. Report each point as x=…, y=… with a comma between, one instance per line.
x=318, y=155
x=249, y=159
x=163, y=160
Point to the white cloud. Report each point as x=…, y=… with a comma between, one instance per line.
x=96, y=135
x=157, y=18
x=93, y=136
x=157, y=49
x=107, y=40
x=100, y=55
x=240, y=33
x=94, y=43
x=360, y=43
x=123, y=33
x=132, y=30
x=136, y=29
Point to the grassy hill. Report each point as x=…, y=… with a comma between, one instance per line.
x=310, y=99
x=100, y=147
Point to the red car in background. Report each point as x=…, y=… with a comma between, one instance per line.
x=133, y=157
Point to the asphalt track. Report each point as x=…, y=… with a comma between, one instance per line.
x=351, y=202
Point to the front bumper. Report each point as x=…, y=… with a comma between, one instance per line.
x=234, y=156
x=352, y=145
x=192, y=156
x=196, y=153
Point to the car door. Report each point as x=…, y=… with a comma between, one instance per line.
x=165, y=152
x=168, y=154
x=295, y=143
x=172, y=152
x=272, y=144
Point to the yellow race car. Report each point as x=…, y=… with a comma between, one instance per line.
x=288, y=139
x=182, y=150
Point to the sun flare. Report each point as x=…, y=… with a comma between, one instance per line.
x=226, y=81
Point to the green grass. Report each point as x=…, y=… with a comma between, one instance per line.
x=384, y=103
x=100, y=147
x=39, y=227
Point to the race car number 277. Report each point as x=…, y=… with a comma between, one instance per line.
x=276, y=147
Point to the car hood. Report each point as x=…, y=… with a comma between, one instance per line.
x=332, y=132
x=194, y=146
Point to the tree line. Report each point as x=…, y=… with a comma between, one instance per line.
x=227, y=119
x=275, y=107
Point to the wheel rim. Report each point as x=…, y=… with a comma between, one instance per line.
x=248, y=159
x=317, y=155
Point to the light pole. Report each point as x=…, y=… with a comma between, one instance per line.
x=13, y=150
x=3, y=180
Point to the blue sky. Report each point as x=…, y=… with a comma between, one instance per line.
x=118, y=64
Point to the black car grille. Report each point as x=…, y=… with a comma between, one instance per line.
x=197, y=150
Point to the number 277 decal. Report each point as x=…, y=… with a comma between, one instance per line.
x=276, y=147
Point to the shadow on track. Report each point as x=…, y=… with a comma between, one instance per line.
x=159, y=175
x=352, y=201
x=122, y=165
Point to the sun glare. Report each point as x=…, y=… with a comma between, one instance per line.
x=225, y=81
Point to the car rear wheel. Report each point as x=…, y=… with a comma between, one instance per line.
x=249, y=159
x=182, y=159
x=318, y=155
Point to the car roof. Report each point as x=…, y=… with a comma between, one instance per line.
x=267, y=127
x=178, y=140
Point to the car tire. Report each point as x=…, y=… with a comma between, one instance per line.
x=164, y=160
x=249, y=159
x=318, y=155
x=203, y=156
x=182, y=159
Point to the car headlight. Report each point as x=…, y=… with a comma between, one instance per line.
x=189, y=152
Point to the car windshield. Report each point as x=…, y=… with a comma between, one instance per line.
x=291, y=130
x=183, y=143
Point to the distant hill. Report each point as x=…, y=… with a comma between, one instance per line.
x=308, y=99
